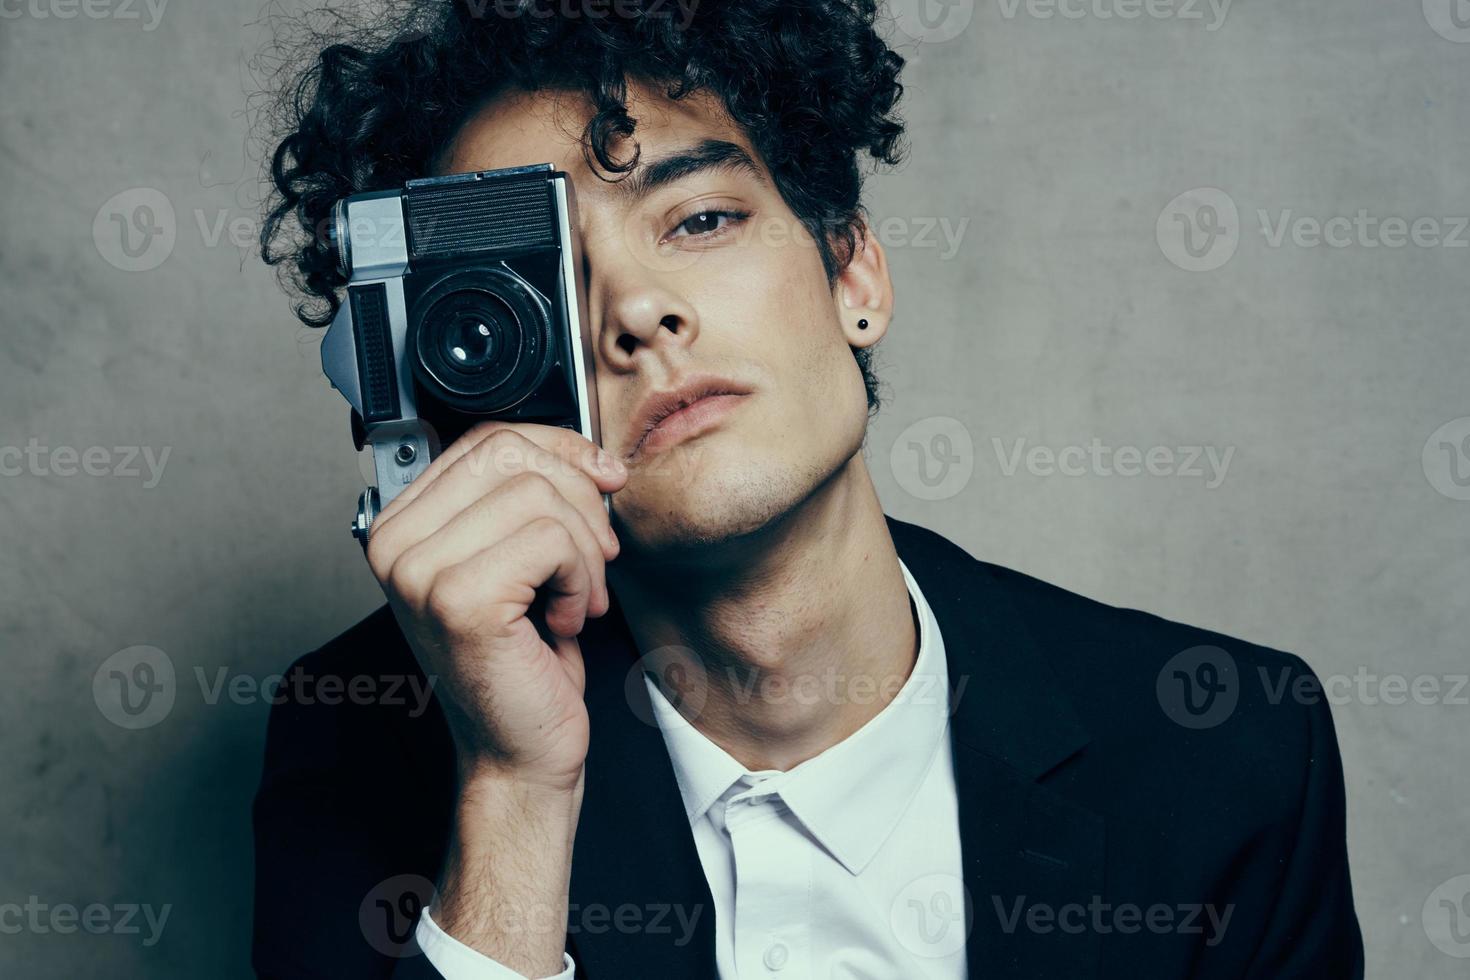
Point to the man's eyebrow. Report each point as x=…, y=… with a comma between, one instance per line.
x=708, y=154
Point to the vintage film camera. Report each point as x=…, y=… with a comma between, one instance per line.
x=462, y=305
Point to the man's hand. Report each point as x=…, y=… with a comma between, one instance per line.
x=510, y=510
x=461, y=553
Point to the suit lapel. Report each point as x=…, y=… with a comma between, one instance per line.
x=1027, y=851
x=634, y=854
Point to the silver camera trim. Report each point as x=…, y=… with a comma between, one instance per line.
x=370, y=234
x=589, y=420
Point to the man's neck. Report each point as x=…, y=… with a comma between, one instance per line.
x=795, y=646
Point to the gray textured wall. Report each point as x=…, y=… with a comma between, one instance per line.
x=1063, y=310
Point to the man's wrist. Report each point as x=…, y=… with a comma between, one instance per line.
x=504, y=890
x=515, y=801
x=456, y=961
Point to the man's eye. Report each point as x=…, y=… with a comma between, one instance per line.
x=706, y=223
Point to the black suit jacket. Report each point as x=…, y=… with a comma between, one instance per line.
x=1103, y=761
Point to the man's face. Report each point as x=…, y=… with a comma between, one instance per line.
x=703, y=272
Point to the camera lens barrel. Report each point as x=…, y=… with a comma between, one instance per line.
x=338, y=238
x=482, y=339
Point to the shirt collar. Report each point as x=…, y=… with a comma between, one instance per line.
x=851, y=796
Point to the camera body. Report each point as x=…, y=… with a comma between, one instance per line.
x=462, y=305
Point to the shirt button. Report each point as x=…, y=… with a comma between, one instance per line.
x=775, y=957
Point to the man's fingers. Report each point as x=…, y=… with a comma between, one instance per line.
x=542, y=552
x=502, y=458
x=489, y=519
x=572, y=447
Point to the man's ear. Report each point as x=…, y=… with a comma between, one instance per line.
x=863, y=292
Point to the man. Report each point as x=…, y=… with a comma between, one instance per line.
x=743, y=725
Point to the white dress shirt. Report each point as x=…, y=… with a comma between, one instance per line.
x=845, y=867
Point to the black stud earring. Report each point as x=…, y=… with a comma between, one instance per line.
x=863, y=323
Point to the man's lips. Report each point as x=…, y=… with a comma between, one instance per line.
x=672, y=415
x=688, y=422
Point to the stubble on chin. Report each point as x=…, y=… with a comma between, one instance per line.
x=677, y=521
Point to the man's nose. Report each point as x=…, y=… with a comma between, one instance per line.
x=642, y=311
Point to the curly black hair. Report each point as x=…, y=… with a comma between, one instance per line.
x=809, y=81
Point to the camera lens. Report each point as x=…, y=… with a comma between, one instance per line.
x=473, y=334
x=483, y=340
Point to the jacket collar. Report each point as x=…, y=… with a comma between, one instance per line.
x=1009, y=705
x=639, y=900
x=1024, y=845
